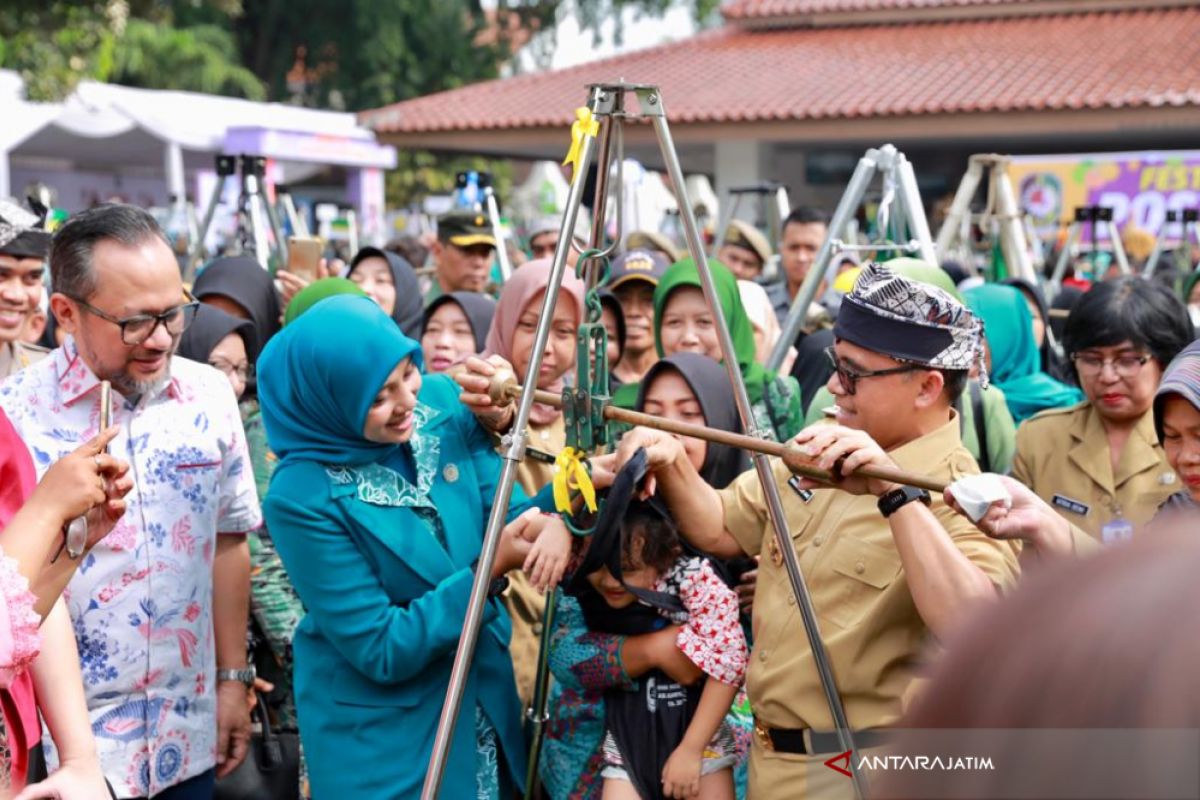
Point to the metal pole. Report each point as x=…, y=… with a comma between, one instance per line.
x=505, y=391
x=276, y=230
x=225, y=166
x=514, y=451
x=536, y=714
x=1118, y=247
x=493, y=212
x=783, y=207
x=652, y=106
x=910, y=197
x=1064, y=257
x=732, y=202
x=1013, y=243
x=960, y=207
x=846, y=208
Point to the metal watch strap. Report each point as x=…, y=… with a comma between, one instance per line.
x=896, y=499
x=245, y=676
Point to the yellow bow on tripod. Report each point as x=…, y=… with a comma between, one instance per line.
x=584, y=125
x=570, y=473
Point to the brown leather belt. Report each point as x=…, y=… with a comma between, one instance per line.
x=806, y=741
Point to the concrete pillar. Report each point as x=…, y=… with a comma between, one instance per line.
x=740, y=163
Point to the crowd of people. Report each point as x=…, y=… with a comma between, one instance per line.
x=285, y=517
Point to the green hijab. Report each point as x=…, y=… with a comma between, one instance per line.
x=924, y=272
x=684, y=273
x=1016, y=363
x=317, y=291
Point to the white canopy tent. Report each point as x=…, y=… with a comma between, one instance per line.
x=172, y=136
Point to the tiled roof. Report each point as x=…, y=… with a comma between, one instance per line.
x=742, y=9
x=1077, y=61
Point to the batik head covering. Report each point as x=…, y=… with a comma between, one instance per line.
x=21, y=232
x=910, y=321
x=319, y=376
x=1182, y=377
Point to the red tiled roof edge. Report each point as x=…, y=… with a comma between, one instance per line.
x=1074, y=61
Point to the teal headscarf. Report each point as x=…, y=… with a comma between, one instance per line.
x=1016, y=363
x=741, y=330
x=318, y=377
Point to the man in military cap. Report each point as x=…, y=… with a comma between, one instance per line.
x=886, y=565
x=463, y=254
x=745, y=251
x=23, y=248
x=542, y=235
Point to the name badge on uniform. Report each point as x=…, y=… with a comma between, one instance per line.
x=1074, y=506
x=804, y=494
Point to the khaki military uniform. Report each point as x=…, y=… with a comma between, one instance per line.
x=526, y=605
x=1063, y=455
x=16, y=356
x=864, y=607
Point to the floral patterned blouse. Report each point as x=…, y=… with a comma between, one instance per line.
x=141, y=602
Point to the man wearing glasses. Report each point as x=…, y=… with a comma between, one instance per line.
x=886, y=565
x=159, y=609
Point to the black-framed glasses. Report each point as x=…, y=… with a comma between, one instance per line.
x=140, y=327
x=849, y=378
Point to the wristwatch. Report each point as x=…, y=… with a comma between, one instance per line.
x=896, y=499
x=245, y=676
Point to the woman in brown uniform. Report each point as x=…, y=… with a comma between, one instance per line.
x=1099, y=463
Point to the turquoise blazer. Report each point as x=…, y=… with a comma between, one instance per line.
x=385, y=606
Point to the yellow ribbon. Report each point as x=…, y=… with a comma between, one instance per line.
x=570, y=473
x=584, y=125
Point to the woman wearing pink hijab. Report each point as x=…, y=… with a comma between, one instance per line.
x=510, y=346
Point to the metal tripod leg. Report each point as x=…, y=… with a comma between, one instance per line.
x=513, y=453
x=898, y=173
x=1118, y=247
x=1064, y=258
x=652, y=106
x=1013, y=243
x=536, y=714
x=958, y=217
x=846, y=208
x=493, y=212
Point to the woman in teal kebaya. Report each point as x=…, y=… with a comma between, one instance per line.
x=378, y=506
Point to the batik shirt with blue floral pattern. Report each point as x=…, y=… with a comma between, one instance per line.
x=381, y=486
x=141, y=601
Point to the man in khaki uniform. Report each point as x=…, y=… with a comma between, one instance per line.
x=886, y=565
x=1063, y=455
x=23, y=248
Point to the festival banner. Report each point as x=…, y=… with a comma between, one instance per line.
x=1140, y=187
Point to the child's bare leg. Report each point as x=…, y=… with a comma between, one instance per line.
x=617, y=789
x=717, y=785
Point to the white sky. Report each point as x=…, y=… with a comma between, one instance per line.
x=576, y=47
